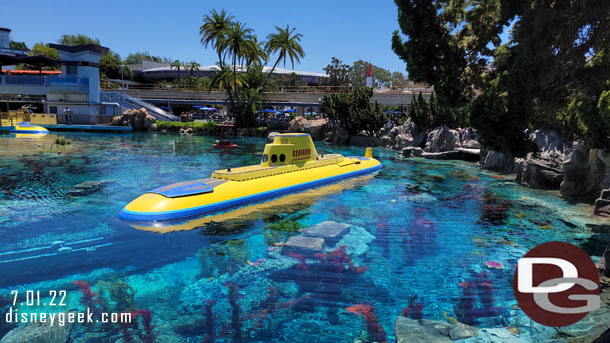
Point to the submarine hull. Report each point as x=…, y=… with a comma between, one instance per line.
x=215, y=194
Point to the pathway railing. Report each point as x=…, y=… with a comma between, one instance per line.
x=129, y=102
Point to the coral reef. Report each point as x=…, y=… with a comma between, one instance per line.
x=415, y=309
x=374, y=329
x=340, y=261
x=89, y=298
x=467, y=310
x=494, y=210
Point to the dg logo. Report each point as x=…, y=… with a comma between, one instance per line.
x=556, y=284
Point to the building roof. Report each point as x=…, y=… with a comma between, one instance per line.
x=79, y=48
x=2, y=28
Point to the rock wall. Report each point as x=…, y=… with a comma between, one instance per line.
x=442, y=139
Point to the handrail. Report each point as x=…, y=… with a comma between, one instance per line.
x=291, y=89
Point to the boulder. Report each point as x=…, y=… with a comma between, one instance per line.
x=271, y=136
x=408, y=128
x=330, y=231
x=338, y=136
x=304, y=245
x=419, y=140
x=498, y=162
x=412, y=152
x=460, y=331
x=577, y=181
x=442, y=139
x=316, y=128
x=472, y=144
x=602, y=204
x=138, y=119
x=297, y=124
x=409, y=330
x=537, y=173
x=39, y=333
x=402, y=141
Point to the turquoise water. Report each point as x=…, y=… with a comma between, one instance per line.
x=440, y=239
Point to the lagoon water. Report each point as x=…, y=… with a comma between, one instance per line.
x=438, y=240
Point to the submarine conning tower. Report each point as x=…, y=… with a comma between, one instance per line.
x=289, y=148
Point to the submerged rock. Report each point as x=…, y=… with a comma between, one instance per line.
x=409, y=330
x=88, y=187
x=460, y=330
x=38, y=333
x=304, y=245
x=330, y=231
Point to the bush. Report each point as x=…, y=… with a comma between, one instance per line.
x=207, y=128
x=354, y=111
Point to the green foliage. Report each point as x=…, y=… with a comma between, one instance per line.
x=118, y=296
x=338, y=73
x=79, y=39
x=399, y=80
x=44, y=50
x=139, y=57
x=358, y=72
x=430, y=114
x=61, y=140
x=221, y=258
x=284, y=225
x=18, y=46
x=286, y=44
x=291, y=80
x=111, y=65
x=590, y=118
x=206, y=128
x=551, y=74
x=354, y=111
x=237, y=46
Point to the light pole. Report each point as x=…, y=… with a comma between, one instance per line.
x=169, y=88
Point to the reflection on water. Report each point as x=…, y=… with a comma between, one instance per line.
x=433, y=240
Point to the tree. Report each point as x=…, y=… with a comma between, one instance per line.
x=79, y=39
x=399, y=80
x=191, y=67
x=177, y=64
x=557, y=53
x=214, y=31
x=359, y=70
x=338, y=73
x=291, y=80
x=240, y=43
x=286, y=44
x=111, y=65
x=44, y=50
x=139, y=57
x=353, y=111
x=18, y=46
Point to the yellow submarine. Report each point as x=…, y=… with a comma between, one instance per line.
x=289, y=164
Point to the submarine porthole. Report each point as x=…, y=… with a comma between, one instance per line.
x=273, y=158
x=282, y=158
x=265, y=158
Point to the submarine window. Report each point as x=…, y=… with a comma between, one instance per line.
x=265, y=158
x=274, y=158
x=282, y=158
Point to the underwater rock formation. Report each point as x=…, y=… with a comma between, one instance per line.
x=39, y=333
x=468, y=310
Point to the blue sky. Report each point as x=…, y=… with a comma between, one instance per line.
x=348, y=30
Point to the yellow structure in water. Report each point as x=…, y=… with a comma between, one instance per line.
x=289, y=164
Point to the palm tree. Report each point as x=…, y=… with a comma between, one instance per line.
x=287, y=44
x=214, y=31
x=241, y=44
x=192, y=66
x=176, y=65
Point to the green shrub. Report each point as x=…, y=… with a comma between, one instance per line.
x=206, y=128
